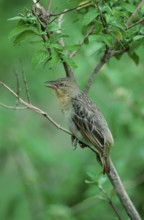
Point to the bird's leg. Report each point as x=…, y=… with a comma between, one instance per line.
x=82, y=145
x=74, y=141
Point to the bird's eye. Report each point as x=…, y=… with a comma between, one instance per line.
x=62, y=84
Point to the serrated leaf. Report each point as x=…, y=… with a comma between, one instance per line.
x=69, y=61
x=129, y=7
x=71, y=47
x=107, y=39
x=24, y=36
x=90, y=16
x=54, y=59
x=40, y=57
x=136, y=44
x=17, y=30
x=117, y=34
x=134, y=57
x=138, y=37
x=16, y=18
x=52, y=27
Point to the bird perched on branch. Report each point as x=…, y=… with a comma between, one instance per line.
x=84, y=119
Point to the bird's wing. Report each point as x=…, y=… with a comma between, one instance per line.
x=86, y=122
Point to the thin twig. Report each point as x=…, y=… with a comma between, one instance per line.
x=17, y=86
x=103, y=60
x=114, y=209
x=136, y=23
x=113, y=175
x=135, y=12
x=25, y=83
x=12, y=107
x=90, y=30
x=68, y=70
x=103, y=20
x=72, y=9
x=108, y=54
x=34, y=108
x=49, y=5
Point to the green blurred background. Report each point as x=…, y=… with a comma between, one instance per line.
x=41, y=176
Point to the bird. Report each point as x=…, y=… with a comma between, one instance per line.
x=85, y=121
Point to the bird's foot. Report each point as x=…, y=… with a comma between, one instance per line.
x=82, y=145
x=74, y=141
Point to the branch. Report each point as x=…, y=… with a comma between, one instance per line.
x=136, y=23
x=113, y=175
x=103, y=60
x=72, y=9
x=135, y=12
x=12, y=107
x=83, y=41
x=109, y=53
x=33, y=108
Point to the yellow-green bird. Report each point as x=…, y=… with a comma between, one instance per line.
x=85, y=121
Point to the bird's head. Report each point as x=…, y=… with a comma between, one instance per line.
x=64, y=87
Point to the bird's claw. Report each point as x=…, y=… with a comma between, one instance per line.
x=74, y=141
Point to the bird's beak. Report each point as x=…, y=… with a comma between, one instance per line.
x=51, y=84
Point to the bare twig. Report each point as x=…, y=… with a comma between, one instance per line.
x=17, y=86
x=109, y=53
x=25, y=82
x=136, y=23
x=86, y=4
x=68, y=70
x=83, y=41
x=113, y=175
x=103, y=60
x=114, y=209
x=34, y=108
x=135, y=12
x=49, y=5
x=13, y=107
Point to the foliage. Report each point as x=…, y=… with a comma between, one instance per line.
x=41, y=179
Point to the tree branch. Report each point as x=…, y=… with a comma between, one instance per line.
x=33, y=108
x=103, y=60
x=109, y=53
x=136, y=23
x=113, y=175
x=135, y=12
x=86, y=4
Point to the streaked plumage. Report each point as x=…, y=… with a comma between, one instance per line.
x=84, y=119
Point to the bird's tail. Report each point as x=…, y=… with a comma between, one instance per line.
x=105, y=162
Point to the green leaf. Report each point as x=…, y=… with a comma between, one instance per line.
x=136, y=44
x=117, y=34
x=40, y=57
x=24, y=36
x=16, y=18
x=52, y=27
x=69, y=61
x=54, y=59
x=90, y=16
x=107, y=39
x=134, y=57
